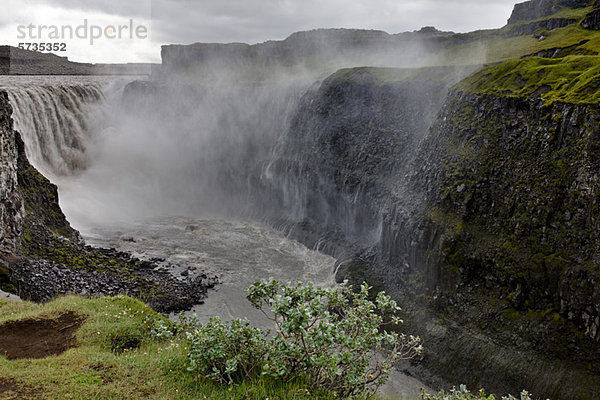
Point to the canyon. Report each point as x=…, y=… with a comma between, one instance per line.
x=461, y=180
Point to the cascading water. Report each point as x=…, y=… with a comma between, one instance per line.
x=57, y=119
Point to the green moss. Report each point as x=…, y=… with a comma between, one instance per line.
x=511, y=222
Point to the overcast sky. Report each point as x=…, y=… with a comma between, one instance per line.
x=250, y=21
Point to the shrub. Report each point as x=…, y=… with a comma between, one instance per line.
x=333, y=338
x=226, y=352
x=161, y=328
x=463, y=394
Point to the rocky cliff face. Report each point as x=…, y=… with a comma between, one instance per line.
x=535, y=9
x=520, y=179
x=322, y=50
x=512, y=188
x=11, y=202
x=349, y=145
x=485, y=226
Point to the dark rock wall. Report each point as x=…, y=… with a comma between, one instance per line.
x=11, y=202
x=348, y=148
x=512, y=206
x=535, y=9
x=592, y=21
x=485, y=227
x=517, y=184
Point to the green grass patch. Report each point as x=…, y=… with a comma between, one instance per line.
x=97, y=369
x=572, y=79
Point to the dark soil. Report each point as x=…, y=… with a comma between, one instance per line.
x=38, y=338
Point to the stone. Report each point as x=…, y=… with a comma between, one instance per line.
x=592, y=21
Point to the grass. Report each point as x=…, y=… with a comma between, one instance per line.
x=494, y=45
x=95, y=369
x=572, y=79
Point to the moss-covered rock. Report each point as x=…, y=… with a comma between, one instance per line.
x=513, y=189
x=573, y=79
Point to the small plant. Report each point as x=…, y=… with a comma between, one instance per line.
x=162, y=328
x=226, y=352
x=463, y=394
x=334, y=338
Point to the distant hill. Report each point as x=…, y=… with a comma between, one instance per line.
x=15, y=61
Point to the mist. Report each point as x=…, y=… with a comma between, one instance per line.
x=198, y=138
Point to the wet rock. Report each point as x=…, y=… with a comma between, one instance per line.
x=51, y=280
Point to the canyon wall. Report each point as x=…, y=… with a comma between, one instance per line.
x=11, y=202
x=478, y=212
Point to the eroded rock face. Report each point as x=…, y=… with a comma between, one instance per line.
x=513, y=223
x=349, y=147
x=11, y=204
x=532, y=27
x=592, y=21
x=535, y=9
x=517, y=193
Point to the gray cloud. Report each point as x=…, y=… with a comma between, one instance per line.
x=186, y=21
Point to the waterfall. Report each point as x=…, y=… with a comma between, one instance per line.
x=136, y=150
x=59, y=118
x=55, y=123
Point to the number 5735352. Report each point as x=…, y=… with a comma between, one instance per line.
x=43, y=46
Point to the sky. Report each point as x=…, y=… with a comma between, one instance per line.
x=133, y=30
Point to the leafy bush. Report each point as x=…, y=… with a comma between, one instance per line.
x=227, y=352
x=333, y=339
x=463, y=394
x=161, y=328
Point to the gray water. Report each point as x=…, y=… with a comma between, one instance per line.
x=238, y=252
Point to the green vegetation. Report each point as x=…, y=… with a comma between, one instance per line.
x=118, y=357
x=385, y=76
x=572, y=79
x=330, y=339
x=463, y=394
x=125, y=350
x=504, y=44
